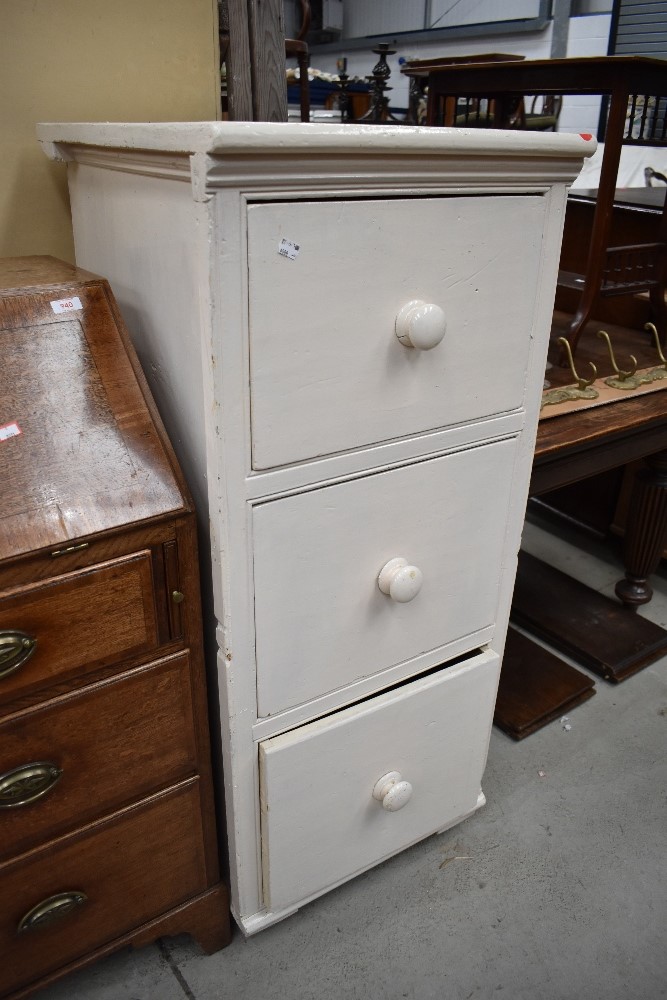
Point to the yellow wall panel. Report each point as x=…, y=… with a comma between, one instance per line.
x=90, y=60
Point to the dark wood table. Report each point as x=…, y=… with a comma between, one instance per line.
x=629, y=84
x=607, y=637
x=602, y=634
x=419, y=70
x=572, y=447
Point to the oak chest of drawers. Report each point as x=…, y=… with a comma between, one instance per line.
x=106, y=796
x=346, y=330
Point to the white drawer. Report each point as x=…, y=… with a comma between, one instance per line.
x=321, y=621
x=327, y=372
x=320, y=821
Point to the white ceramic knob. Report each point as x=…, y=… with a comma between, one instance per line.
x=392, y=791
x=399, y=581
x=420, y=324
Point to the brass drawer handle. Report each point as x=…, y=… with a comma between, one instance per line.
x=50, y=910
x=27, y=783
x=15, y=648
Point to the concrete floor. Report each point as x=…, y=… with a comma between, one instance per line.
x=555, y=890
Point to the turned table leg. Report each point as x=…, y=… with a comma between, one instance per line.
x=646, y=531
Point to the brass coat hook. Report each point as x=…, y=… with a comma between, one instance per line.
x=582, y=390
x=582, y=383
x=656, y=373
x=622, y=379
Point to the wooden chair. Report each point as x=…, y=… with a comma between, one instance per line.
x=546, y=118
x=474, y=112
x=650, y=173
x=297, y=48
x=478, y=112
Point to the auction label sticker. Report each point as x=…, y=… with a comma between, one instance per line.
x=67, y=305
x=9, y=431
x=288, y=249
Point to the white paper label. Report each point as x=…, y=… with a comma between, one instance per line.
x=67, y=305
x=288, y=249
x=9, y=431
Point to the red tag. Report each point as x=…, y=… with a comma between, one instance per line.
x=586, y=135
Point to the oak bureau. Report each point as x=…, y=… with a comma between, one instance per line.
x=345, y=329
x=108, y=833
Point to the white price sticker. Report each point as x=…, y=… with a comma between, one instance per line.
x=67, y=305
x=9, y=431
x=288, y=249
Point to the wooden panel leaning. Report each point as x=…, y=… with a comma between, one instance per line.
x=107, y=816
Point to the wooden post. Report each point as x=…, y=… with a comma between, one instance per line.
x=234, y=17
x=646, y=532
x=256, y=84
x=267, y=60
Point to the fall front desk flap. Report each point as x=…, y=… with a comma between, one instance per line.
x=77, y=443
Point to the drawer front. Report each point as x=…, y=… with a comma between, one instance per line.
x=83, y=755
x=321, y=619
x=77, y=621
x=130, y=869
x=327, y=372
x=320, y=820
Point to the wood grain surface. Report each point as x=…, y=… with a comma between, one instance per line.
x=267, y=54
x=99, y=568
x=87, y=451
x=113, y=863
x=237, y=62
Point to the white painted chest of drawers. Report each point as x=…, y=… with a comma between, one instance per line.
x=266, y=273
